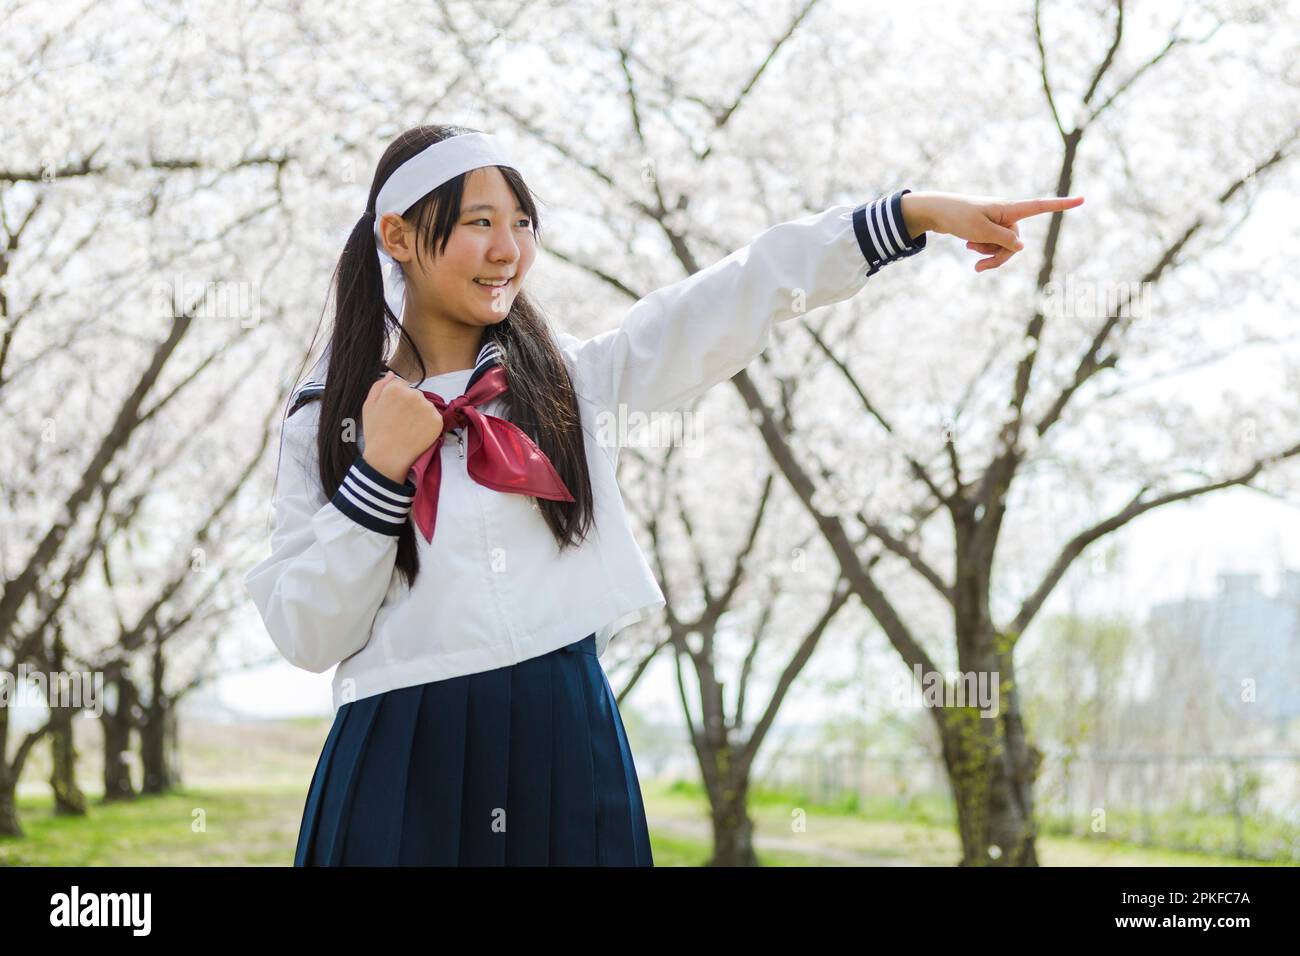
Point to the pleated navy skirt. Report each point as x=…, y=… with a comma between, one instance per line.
x=526, y=765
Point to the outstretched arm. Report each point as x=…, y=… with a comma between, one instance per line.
x=682, y=339
x=679, y=341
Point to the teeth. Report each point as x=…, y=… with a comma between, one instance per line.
x=499, y=282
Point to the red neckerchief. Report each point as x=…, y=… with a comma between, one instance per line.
x=500, y=456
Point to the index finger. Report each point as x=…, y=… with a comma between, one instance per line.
x=378, y=384
x=1023, y=208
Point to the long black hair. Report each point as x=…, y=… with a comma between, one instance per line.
x=540, y=400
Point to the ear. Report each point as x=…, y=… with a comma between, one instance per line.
x=395, y=233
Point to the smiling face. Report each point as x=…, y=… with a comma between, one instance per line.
x=491, y=240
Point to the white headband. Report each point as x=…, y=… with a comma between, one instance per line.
x=419, y=176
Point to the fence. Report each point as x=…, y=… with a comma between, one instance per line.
x=1240, y=805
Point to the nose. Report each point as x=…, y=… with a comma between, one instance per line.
x=504, y=247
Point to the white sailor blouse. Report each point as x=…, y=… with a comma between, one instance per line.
x=494, y=588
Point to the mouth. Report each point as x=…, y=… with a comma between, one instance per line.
x=493, y=284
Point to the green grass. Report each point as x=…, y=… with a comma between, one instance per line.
x=1191, y=830
x=250, y=784
x=258, y=827
x=184, y=828
x=240, y=828
x=922, y=832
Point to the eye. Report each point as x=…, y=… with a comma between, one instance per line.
x=525, y=222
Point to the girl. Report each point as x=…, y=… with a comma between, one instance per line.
x=466, y=589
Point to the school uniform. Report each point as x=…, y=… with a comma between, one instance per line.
x=474, y=723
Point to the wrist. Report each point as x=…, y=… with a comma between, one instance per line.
x=918, y=213
x=386, y=466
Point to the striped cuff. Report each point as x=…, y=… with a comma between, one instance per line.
x=373, y=500
x=882, y=231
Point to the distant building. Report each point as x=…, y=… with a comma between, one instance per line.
x=1243, y=633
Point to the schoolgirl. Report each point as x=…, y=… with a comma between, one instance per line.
x=465, y=589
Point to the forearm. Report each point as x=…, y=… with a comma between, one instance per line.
x=331, y=560
x=320, y=588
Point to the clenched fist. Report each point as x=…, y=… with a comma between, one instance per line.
x=399, y=425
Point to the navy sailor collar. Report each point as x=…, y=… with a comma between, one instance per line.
x=489, y=357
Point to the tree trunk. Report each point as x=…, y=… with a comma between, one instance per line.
x=156, y=739
x=9, y=826
x=733, y=835
x=8, y=779
x=68, y=798
x=991, y=768
x=11, y=771
x=117, y=722
x=158, y=730
x=733, y=829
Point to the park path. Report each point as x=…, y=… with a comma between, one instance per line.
x=700, y=830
